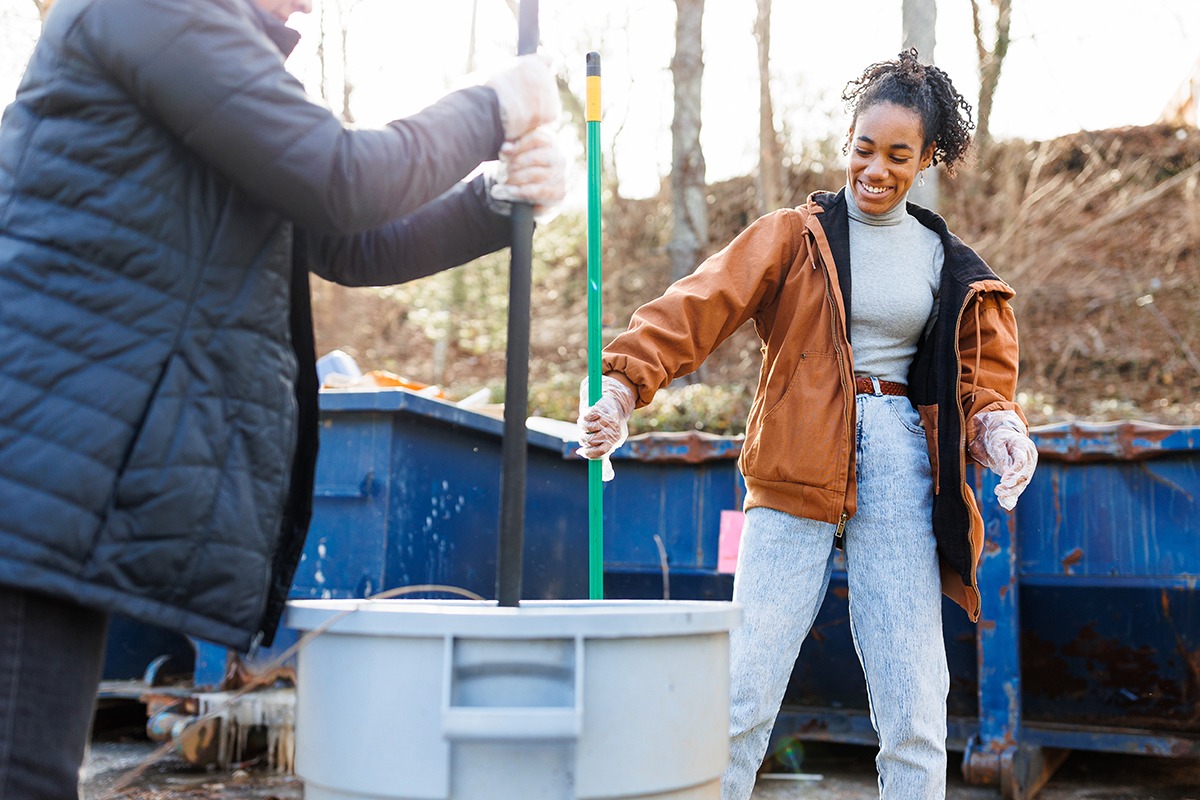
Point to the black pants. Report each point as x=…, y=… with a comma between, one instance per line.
x=51, y=657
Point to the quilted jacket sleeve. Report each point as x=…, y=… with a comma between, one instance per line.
x=210, y=75
x=451, y=230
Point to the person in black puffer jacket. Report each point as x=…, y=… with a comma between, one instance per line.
x=165, y=189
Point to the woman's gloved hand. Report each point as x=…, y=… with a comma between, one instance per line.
x=604, y=426
x=1002, y=445
x=528, y=95
x=533, y=169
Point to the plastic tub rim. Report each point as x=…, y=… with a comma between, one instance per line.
x=486, y=619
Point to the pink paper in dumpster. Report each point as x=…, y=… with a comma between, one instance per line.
x=728, y=541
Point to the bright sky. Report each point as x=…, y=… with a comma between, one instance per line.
x=1072, y=64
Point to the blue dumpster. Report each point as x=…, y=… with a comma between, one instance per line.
x=1091, y=630
x=1090, y=636
x=408, y=491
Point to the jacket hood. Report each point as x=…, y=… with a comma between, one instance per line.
x=961, y=262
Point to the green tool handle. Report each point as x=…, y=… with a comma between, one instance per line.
x=595, y=344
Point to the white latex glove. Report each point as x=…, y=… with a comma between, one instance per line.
x=528, y=95
x=604, y=426
x=533, y=169
x=1002, y=445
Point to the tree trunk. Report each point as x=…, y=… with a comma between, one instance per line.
x=919, y=31
x=471, y=41
x=770, y=152
x=323, y=53
x=335, y=91
x=689, y=232
x=347, y=86
x=990, y=63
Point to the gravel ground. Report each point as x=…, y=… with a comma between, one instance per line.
x=829, y=772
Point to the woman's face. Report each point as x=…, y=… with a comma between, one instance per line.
x=885, y=156
x=282, y=9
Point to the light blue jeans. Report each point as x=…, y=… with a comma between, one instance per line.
x=783, y=570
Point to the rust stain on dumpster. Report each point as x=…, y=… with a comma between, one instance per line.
x=1071, y=559
x=1128, y=679
x=1081, y=442
x=690, y=447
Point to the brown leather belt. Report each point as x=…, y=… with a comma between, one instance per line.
x=867, y=386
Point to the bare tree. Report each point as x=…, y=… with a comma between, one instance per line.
x=919, y=24
x=770, y=150
x=333, y=55
x=919, y=27
x=334, y=302
x=990, y=62
x=689, y=233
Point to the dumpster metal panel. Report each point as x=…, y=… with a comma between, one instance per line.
x=408, y=493
x=1105, y=523
x=673, y=486
x=1109, y=557
x=1131, y=662
x=344, y=555
x=1090, y=635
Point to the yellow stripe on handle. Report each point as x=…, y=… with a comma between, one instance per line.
x=593, y=98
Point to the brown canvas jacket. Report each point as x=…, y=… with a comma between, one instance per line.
x=781, y=274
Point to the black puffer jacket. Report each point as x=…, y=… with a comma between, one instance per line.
x=164, y=186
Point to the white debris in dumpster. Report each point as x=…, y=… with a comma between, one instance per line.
x=338, y=370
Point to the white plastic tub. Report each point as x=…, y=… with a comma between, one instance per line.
x=407, y=699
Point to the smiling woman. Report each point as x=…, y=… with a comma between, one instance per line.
x=859, y=447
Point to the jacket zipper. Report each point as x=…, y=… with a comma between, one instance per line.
x=841, y=528
x=833, y=307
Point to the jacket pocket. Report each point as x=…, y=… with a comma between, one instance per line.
x=929, y=420
x=800, y=437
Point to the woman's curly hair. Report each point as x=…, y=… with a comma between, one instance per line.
x=927, y=90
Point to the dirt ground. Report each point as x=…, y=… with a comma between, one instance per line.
x=831, y=772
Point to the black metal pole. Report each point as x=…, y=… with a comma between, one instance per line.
x=516, y=378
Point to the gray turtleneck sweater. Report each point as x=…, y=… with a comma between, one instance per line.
x=896, y=268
